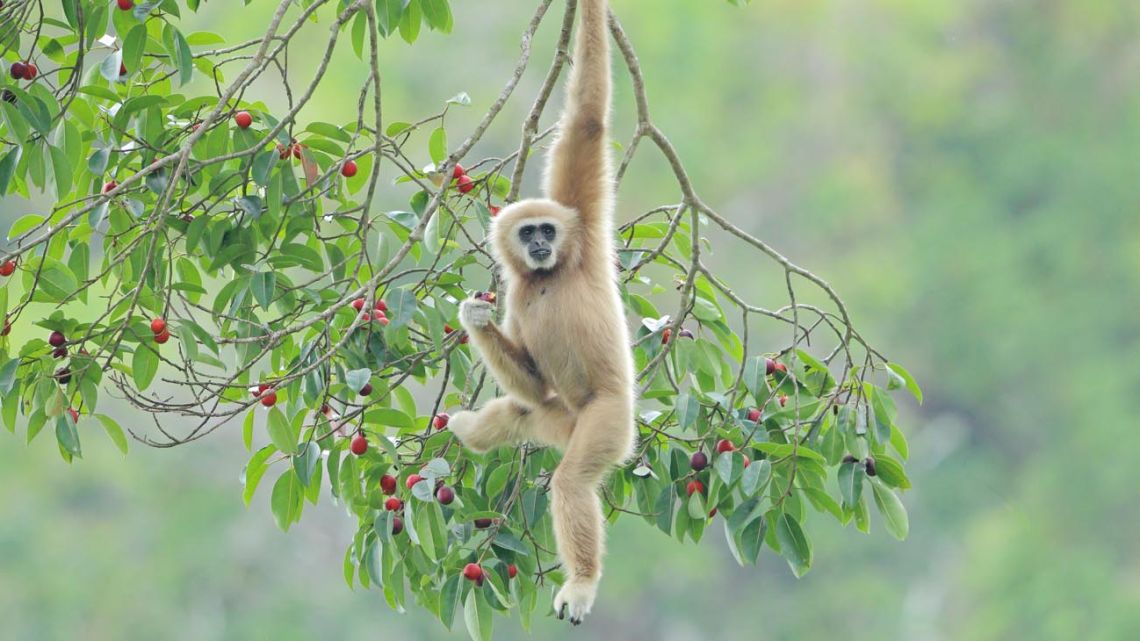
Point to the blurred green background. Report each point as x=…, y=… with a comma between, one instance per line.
x=964, y=172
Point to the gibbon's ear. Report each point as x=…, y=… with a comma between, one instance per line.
x=511, y=251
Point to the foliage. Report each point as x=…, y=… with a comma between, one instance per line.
x=254, y=244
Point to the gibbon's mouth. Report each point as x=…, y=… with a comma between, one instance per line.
x=540, y=254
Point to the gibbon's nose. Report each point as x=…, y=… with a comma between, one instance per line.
x=539, y=251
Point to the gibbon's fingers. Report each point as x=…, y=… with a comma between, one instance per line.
x=475, y=314
x=505, y=421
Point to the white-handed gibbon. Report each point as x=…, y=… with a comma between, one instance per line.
x=562, y=354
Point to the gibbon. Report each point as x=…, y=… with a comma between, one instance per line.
x=562, y=353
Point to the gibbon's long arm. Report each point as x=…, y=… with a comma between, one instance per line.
x=510, y=364
x=578, y=169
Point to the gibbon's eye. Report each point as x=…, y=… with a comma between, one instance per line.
x=547, y=231
x=526, y=232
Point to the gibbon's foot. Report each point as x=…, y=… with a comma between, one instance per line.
x=475, y=313
x=575, y=599
x=463, y=425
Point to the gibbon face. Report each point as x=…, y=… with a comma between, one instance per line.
x=536, y=236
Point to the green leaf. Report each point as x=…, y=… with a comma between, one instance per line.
x=696, y=507
x=477, y=616
x=357, y=378
x=755, y=476
x=306, y=462
x=688, y=409
x=254, y=470
x=8, y=376
x=56, y=281
x=280, y=432
x=144, y=365
x=7, y=168
x=851, y=482
x=67, y=435
x=794, y=546
x=263, y=284
x=401, y=307
x=449, y=600
x=438, y=15
x=729, y=466
x=286, y=500
x=114, y=431
x=437, y=145
x=907, y=379
x=894, y=514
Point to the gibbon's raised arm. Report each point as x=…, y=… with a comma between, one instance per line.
x=578, y=171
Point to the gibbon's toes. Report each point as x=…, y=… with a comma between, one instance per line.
x=462, y=425
x=475, y=313
x=574, y=600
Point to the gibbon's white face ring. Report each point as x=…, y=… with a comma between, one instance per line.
x=537, y=239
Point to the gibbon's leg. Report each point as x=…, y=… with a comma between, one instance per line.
x=504, y=421
x=510, y=364
x=603, y=437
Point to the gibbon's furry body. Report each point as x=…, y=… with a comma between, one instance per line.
x=563, y=355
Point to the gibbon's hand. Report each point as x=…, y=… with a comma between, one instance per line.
x=475, y=314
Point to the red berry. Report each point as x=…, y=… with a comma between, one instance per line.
x=754, y=415
x=348, y=169
x=269, y=398
x=282, y=151
x=473, y=572
x=243, y=119
x=157, y=325
x=365, y=317
x=747, y=461
x=699, y=461
x=397, y=525
x=17, y=70
x=458, y=171
x=358, y=304
x=465, y=183
x=74, y=414
x=381, y=306
x=109, y=186
x=724, y=445
x=494, y=211
x=780, y=367
x=512, y=570
x=695, y=486
x=712, y=512
x=665, y=335
x=482, y=524
x=261, y=387
x=7, y=328
x=122, y=69
x=7, y=268
x=126, y=5
x=297, y=151
x=440, y=420
x=769, y=366
x=59, y=352
x=359, y=444
x=383, y=320
x=447, y=329
x=783, y=400
x=56, y=339
x=30, y=71
x=393, y=504
x=366, y=390
x=445, y=495
x=412, y=480
x=162, y=337
x=388, y=484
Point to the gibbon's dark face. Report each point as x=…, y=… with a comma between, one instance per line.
x=537, y=241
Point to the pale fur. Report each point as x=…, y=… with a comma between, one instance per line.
x=562, y=353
